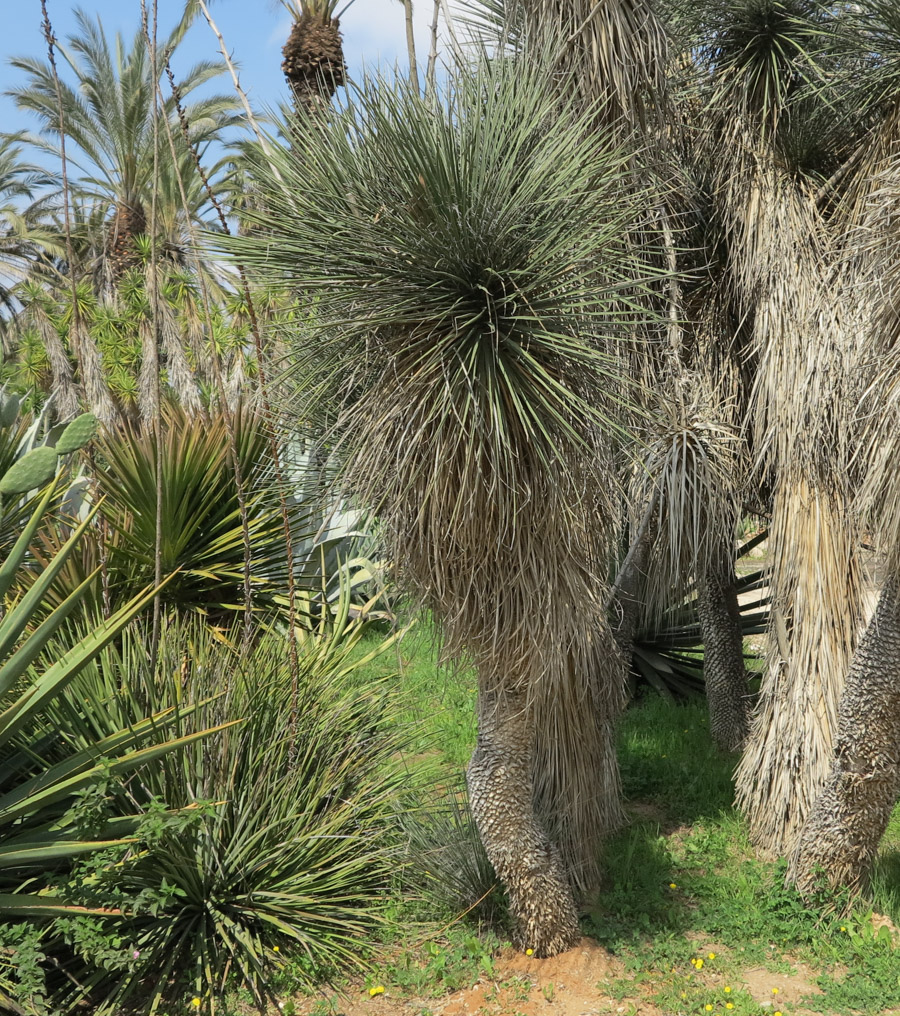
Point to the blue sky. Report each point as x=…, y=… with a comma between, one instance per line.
x=254, y=31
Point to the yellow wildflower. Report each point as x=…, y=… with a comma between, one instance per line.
x=699, y=964
x=712, y=956
x=195, y=1002
x=672, y=885
x=708, y=1007
x=379, y=990
x=727, y=989
x=276, y=948
x=774, y=991
x=729, y=1005
x=777, y=1012
x=529, y=952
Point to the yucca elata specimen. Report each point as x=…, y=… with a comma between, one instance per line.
x=472, y=281
x=841, y=836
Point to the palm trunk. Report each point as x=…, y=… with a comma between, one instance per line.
x=500, y=785
x=723, y=654
x=840, y=838
x=314, y=62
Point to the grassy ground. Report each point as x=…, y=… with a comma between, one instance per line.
x=687, y=911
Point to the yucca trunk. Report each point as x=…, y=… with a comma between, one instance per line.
x=578, y=791
x=501, y=794
x=815, y=587
x=840, y=839
x=723, y=654
x=314, y=61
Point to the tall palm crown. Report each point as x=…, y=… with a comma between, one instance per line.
x=108, y=118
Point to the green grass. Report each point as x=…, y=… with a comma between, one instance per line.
x=438, y=701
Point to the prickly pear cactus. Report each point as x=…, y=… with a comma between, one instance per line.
x=34, y=469
x=9, y=409
x=77, y=434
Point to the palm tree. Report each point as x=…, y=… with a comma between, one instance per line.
x=473, y=285
x=24, y=241
x=108, y=116
x=314, y=52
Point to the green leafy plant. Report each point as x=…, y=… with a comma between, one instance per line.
x=202, y=539
x=299, y=849
x=667, y=655
x=38, y=833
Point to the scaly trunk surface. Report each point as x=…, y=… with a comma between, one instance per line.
x=501, y=792
x=840, y=839
x=130, y=220
x=314, y=61
x=723, y=655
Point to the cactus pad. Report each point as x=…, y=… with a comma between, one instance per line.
x=77, y=434
x=34, y=469
x=9, y=409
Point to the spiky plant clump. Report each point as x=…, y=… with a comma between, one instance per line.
x=297, y=853
x=473, y=284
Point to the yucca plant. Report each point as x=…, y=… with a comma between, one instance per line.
x=202, y=538
x=38, y=837
x=668, y=654
x=296, y=856
x=474, y=285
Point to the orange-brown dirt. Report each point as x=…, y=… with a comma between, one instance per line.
x=568, y=985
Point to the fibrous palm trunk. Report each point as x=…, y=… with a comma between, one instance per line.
x=314, y=61
x=723, y=654
x=130, y=220
x=501, y=790
x=840, y=838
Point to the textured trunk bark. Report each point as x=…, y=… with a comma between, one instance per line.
x=723, y=655
x=500, y=785
x=840, y=838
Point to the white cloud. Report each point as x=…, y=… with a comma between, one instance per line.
x=375, y=33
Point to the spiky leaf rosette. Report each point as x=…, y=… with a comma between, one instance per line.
x=471, y=281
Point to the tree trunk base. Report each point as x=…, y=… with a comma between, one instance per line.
x=723, y=650
x=501, y=797
x=839, y=841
